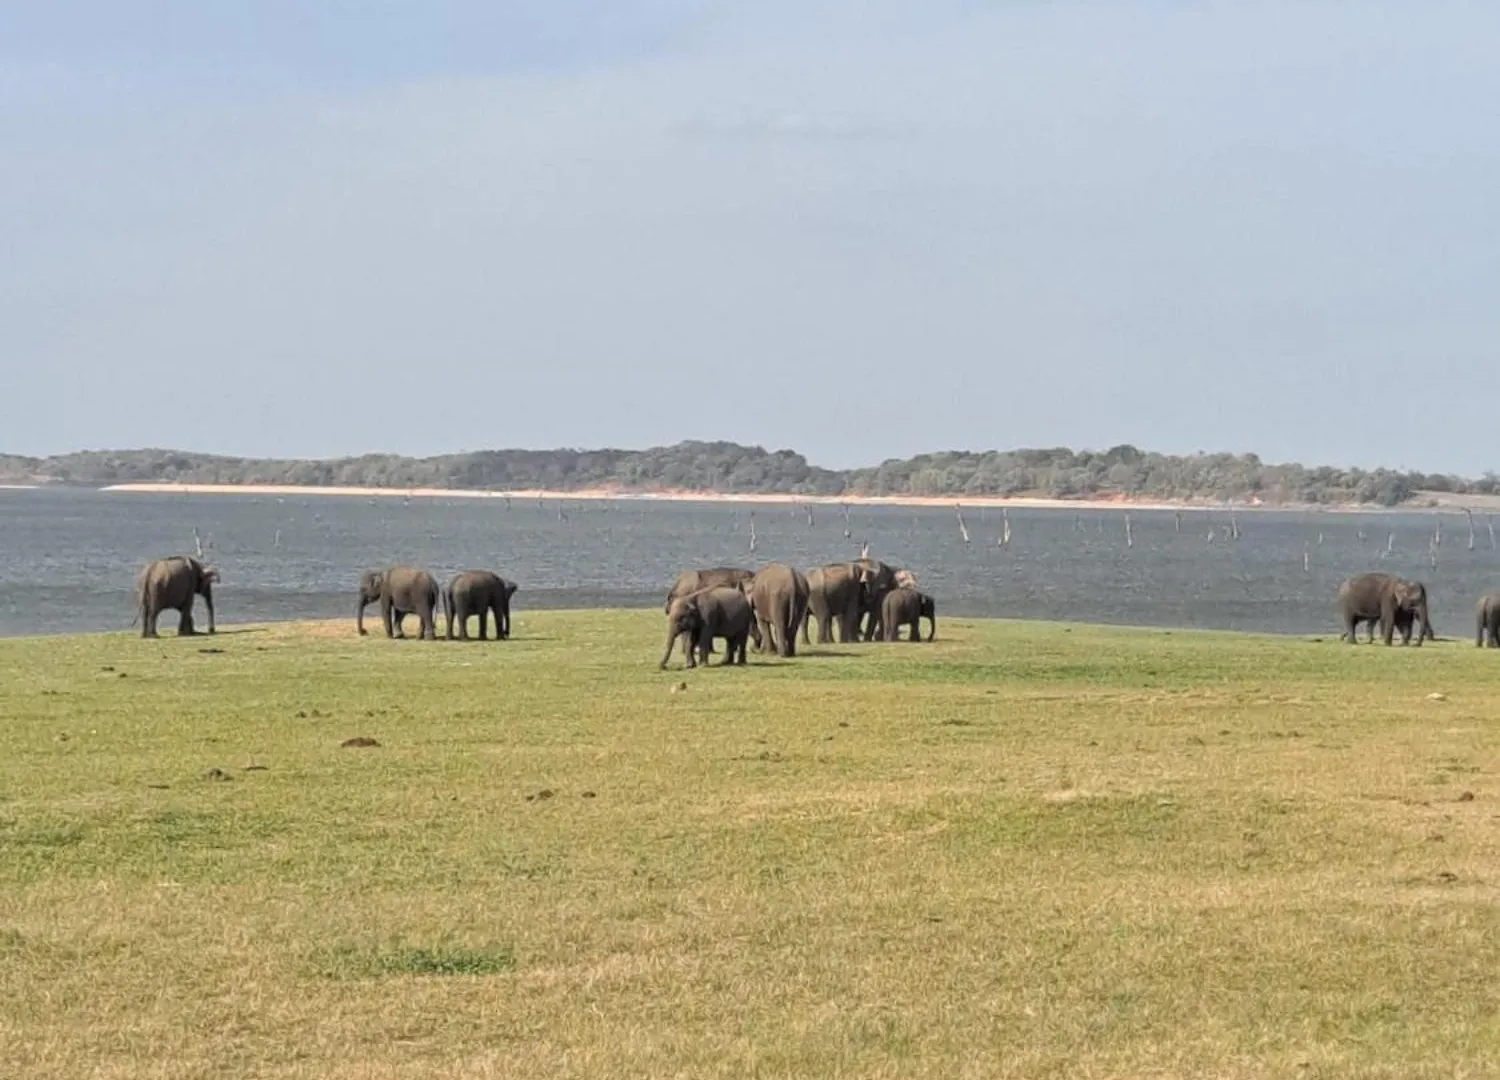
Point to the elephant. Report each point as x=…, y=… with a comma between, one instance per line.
x=719, y=611
x=172, y=583
x=1387, y=598
x=691, y=581
x=833, y=593
x=1487, y=620
x=778, y=593
x=478, y=592
x=400, y=591
x=879, y=579
x=905, y=606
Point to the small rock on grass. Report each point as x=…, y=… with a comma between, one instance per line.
x=677, y=688
x=545, y=793
x=217, y=774
x=1437, y=697
x=360, y=740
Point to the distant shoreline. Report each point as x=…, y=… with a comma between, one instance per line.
x=607, y=494
x=777, y=499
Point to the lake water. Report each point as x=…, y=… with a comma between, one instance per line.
x=68, y=558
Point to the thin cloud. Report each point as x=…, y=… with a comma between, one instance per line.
x=792, y=126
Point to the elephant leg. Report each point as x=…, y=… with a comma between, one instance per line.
x=148, y=619
x=1479, y=632
x=185, y=622
x=428, y=618
x=849, y=624
x=484, y=623
x=388, y=617
x=916, y=630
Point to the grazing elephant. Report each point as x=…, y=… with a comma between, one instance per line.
x=778, y=593
x=905, y=606
x=879, y=579
x=171, y=584
x=478, y=592
x=834, y=593
x=400, y=591
x=1487, y=620
x=691, y=581
x=720, y=611
x=1387, y=598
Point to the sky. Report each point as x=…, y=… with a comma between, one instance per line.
x=860, y=229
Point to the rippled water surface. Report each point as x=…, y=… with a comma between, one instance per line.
x=68, y=558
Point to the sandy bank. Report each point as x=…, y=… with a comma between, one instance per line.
x=1426, y=502
x=605, y=494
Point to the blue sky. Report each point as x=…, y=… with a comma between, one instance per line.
x=856, y=229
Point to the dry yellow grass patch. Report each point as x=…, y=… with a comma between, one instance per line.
x=1022, y=851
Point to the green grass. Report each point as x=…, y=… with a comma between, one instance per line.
x=1022, y=851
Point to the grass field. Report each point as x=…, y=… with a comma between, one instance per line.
x=1022, y=851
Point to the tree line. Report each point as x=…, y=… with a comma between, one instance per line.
x=723, y=467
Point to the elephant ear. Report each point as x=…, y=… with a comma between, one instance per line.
x=211, y=575
x=510, y=589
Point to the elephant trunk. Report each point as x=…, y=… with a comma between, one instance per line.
x=931, y=626
x=671, y=641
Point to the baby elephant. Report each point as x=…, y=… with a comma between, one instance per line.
x=718, y=612
x=1487, y=620
x=907, y=607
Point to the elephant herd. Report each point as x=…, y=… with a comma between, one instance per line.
x=172, y=584
x=866, y=598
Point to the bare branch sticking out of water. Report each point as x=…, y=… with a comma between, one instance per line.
x=1129, y=539
x=963, y=529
